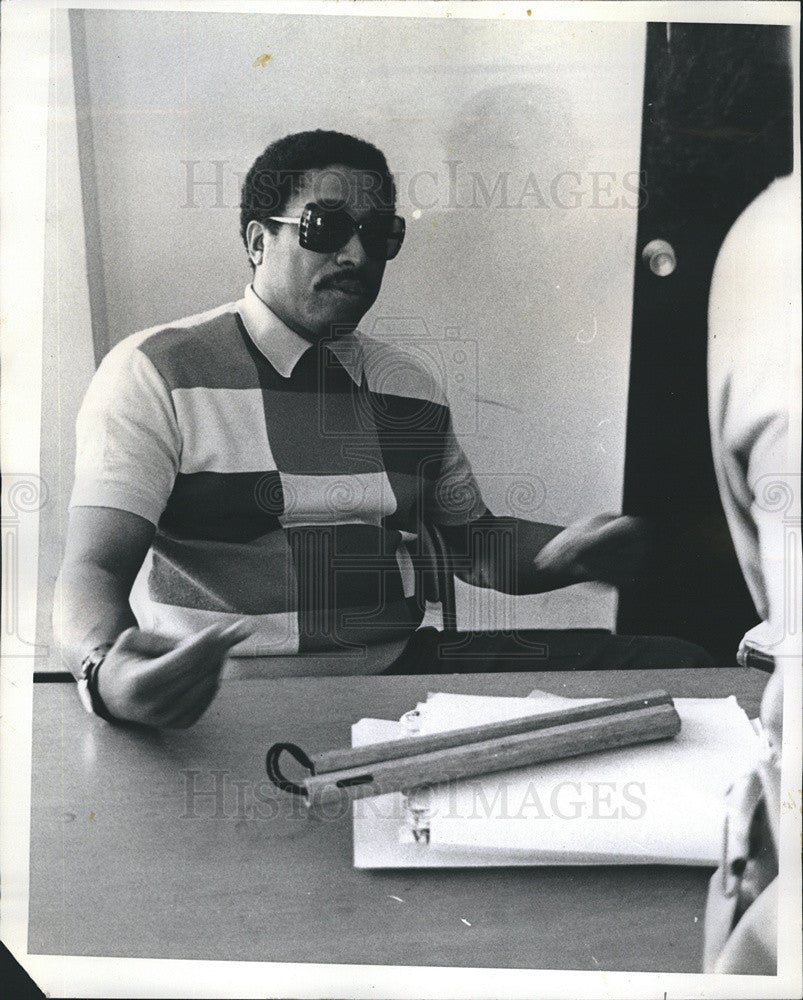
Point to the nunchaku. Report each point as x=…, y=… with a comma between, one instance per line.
x=404, y=764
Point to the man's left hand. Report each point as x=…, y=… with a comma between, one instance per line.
x=608, y=548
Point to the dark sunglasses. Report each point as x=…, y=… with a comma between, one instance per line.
x=325, y=230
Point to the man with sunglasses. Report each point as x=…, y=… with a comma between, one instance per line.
x=275, y=465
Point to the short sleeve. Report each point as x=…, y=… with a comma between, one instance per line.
x=455, y=497
x=753, y=385
x=128, y=443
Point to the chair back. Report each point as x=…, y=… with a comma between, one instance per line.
x=440, y=574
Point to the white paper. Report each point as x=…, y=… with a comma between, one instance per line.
x=617, y=807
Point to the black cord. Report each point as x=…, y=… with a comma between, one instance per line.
x=276, y=776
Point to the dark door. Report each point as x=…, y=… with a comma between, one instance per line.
x=717, y=129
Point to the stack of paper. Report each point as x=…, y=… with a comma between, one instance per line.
x=657, y=803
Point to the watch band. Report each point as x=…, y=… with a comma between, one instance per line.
x=88, y=683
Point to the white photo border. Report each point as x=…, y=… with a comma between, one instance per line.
x=24, y=96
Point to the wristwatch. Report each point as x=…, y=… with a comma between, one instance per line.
x=88, y=683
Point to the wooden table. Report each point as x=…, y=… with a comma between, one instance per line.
x=125, y=862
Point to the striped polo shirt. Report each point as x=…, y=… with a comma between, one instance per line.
x=286, y=481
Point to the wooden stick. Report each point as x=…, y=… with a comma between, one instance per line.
x=572, y=739
x=339, y=760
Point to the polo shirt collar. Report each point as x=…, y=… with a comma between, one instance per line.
x=283, y=347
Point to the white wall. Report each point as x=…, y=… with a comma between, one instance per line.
x=67, y=334
x=540, y=295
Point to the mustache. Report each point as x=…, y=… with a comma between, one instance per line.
x=348, y=279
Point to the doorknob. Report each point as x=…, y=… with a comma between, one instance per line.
x=659, y=256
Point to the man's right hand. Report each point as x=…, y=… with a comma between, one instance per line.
x=162, y=681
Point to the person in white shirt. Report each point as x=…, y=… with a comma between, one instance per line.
x=754, y=377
